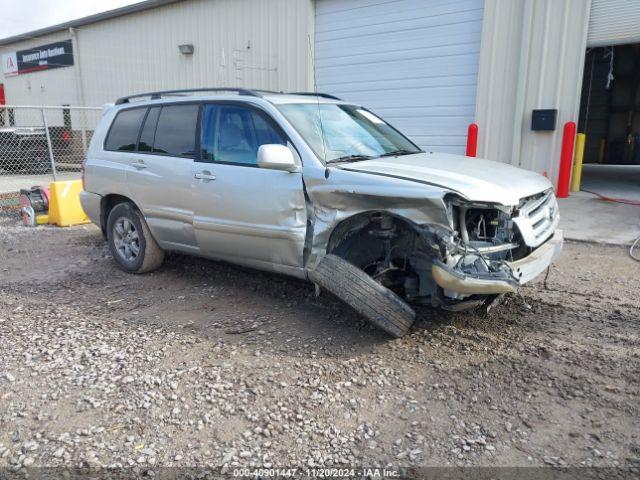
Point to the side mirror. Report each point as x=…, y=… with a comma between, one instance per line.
x=277, y=157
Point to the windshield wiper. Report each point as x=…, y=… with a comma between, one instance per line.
x=401, y=151
x=349, y=158
x=354, y=158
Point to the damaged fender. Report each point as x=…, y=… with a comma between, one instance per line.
x=343, y=194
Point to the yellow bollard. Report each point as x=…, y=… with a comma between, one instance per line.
x=578, y=156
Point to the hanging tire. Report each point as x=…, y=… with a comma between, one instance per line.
x=376, y=303
x=133, y=247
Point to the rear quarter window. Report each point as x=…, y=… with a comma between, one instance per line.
x=123, y=134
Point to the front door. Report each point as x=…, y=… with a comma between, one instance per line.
x=242, y=212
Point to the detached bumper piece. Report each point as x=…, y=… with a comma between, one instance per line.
x=454, y=281
x=523, y=271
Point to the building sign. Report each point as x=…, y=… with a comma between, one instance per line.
x=46, y=57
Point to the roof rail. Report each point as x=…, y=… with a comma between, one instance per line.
x=272, y=92
x=314, y=94
x=160, y=94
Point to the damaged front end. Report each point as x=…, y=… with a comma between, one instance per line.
x=478, y=256
x=485, y=254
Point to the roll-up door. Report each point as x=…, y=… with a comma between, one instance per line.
x=413, y=62
x=614, y=22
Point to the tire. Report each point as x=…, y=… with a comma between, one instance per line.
x=127, y=227
x=376, y=303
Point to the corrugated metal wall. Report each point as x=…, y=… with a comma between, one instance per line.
x=532, y=58
x=240, y=43
x=414, y=62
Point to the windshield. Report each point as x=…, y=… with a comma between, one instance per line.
x=350, y=133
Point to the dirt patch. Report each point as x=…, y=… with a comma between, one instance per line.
x=204, y=363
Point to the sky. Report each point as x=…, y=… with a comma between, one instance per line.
x=21, y=16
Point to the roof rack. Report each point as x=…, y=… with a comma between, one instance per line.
x=314, y=94
x=160, y=94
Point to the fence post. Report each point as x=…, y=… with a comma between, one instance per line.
x=46, y=131
x=84, y=131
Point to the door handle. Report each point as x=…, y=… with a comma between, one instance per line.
x=204, y=176
x=139, y=164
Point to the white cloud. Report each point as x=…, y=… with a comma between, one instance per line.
x=21, y=16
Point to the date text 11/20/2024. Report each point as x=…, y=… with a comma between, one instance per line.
x=315, y=472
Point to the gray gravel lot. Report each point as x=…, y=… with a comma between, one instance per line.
x=207, y=364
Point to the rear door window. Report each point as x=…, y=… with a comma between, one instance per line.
x=124, y=130
x=176, y=131
x=145, y=144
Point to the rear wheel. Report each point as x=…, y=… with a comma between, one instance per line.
x=130, y=241
x=379, y=305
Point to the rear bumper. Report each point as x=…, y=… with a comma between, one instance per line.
x=91, y=205
x=524, y=270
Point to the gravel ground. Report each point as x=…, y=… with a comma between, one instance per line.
x=208, y=364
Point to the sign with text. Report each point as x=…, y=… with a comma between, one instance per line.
x=45, y=57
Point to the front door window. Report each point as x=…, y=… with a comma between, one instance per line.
x=233, y=134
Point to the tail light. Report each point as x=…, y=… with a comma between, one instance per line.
x=66, y=136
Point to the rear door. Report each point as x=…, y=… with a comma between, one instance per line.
x=242, y=212
x=160, y=171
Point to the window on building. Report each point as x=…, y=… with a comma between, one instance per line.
x=124, y=131
x=176, y=130
x=233, y=134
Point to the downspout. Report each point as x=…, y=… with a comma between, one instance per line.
x=521, y=91
x=79, y=84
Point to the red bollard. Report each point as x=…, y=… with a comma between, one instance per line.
x=472, y=140
x=566, y=159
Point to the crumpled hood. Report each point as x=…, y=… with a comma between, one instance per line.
x=474, y=178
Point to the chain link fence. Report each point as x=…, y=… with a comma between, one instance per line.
x=39, y=140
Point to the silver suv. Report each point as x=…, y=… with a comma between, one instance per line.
x=316, y=188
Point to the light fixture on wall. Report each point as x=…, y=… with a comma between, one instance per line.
x=186, y=49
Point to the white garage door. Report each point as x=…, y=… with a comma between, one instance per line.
x=414, y=62
x=613, y=22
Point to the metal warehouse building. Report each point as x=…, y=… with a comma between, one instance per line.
x=430, y=67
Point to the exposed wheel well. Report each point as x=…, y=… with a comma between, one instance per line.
x=106, y=205
x=398, y=254
x=369, y=224
x=383, y=245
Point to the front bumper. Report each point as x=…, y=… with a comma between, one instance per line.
x=524, y=270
